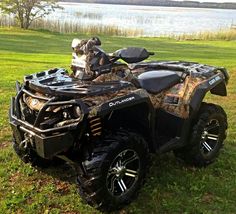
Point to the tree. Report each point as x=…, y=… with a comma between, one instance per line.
x=26, y=11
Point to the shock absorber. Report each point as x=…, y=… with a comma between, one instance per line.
x=95, y=126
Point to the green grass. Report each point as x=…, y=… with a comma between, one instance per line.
x=171, y=186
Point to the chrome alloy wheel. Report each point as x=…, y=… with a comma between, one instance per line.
x=210, y=137
x=123, y=172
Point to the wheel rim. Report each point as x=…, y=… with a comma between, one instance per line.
x=123, y=172
x=210, y=137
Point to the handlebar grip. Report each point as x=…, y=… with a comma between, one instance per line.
x=151, y=53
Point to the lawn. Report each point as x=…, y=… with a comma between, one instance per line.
x=171, y=186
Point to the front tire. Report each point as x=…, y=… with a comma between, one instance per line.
x=207, y=136
x=116, y=171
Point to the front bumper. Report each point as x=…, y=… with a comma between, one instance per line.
x=46, y=142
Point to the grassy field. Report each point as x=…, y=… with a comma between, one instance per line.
x=171, y=187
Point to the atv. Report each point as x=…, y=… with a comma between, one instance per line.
x=111, y=112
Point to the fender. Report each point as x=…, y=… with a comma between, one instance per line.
x=138, y=99
x=219, y=89
x=216, y=85
x=135, y=98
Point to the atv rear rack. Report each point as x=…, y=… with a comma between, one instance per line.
x=185, y=68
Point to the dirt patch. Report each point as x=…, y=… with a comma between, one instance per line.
x=15, y=178
x=208, y=198
x=62, y=187
x=4, y=145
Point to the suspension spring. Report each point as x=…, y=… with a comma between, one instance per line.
x=95, y=126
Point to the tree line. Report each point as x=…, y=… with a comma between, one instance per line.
x=168, y=3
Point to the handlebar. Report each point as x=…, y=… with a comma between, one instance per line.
x=151, y=53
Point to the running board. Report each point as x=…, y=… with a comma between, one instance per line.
x=174, y=143
x=77, y=167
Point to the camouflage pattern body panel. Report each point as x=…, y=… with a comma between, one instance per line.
x=94, y=102
x=176, y=100
x=112, y=76
x=89, y=57
x=156, y=99
x=120, y=72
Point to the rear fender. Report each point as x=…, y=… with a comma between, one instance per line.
x=220, y=89
x=216, y=85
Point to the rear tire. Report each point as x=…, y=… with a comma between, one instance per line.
x=116, y=171
x=206, y=138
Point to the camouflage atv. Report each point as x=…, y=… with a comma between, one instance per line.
x=108, y=116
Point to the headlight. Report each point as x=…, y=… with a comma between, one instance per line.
x=77, y=112
x=34, y=104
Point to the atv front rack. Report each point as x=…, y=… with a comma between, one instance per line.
x=57, y=82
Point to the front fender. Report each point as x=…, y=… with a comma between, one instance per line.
x=134, y=111
x=134, y=98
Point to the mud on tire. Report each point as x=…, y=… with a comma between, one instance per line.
x=206, y=138
x=116, y=172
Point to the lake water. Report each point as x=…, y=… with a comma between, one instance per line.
x=151, y=20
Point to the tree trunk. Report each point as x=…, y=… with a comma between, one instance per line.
x=21, y=24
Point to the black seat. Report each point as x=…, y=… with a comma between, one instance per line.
x=156, y=81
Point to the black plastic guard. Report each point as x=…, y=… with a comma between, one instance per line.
x=215, y=83
x=220, y=89
x=47, y=147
